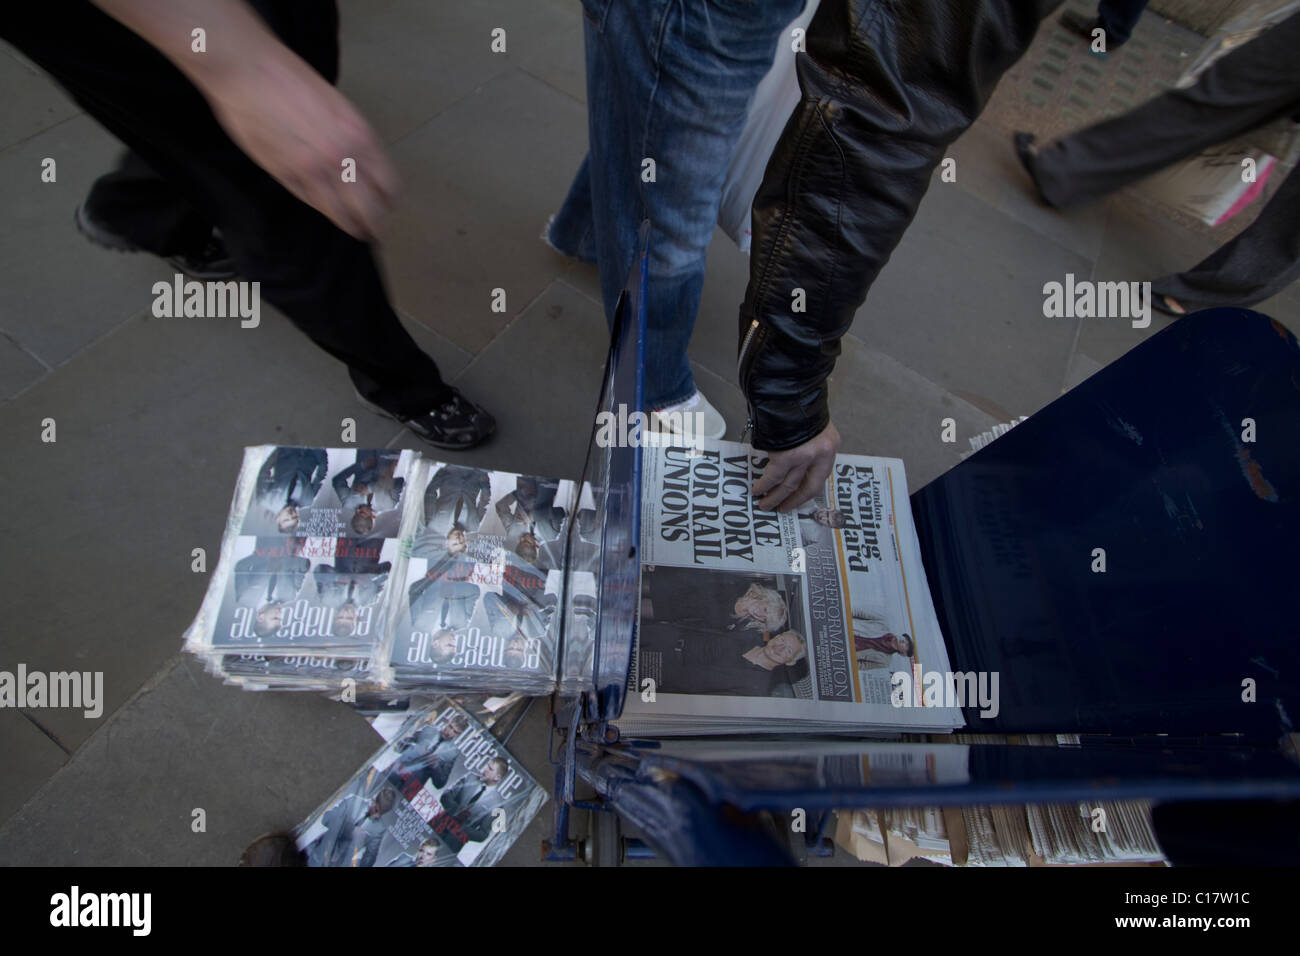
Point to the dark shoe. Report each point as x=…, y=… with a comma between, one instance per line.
x=456, y=424
x=211, y=262
x=1079, y=24
x=273, y=849
x=1027, y=153
x=1082, y=26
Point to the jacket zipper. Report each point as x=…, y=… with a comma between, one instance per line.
x=750, y=334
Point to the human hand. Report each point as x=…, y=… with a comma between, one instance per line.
x=797, y=474
x=300, y=129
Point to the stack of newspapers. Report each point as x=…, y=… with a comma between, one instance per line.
x=388, y=572
x=1035, y=835
x=441, y=792
x=816, y=620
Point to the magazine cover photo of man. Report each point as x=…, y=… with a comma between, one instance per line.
x=369, y=493
x=286, y=488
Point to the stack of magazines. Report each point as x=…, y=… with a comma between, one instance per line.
x=482, y=583
x=389, y=570
x=299, y=599
x=441, y=792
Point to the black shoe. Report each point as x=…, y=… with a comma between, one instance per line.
x=211, y=262
x=1082, y=26
x=1028, y=156
x=456, y=424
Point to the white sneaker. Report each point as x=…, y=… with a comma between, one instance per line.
x=693, y=418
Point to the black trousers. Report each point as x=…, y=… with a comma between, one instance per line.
x=1118, y=18
x=1245, y=89
x=184, y=175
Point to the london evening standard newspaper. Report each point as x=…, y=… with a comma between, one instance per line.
x=755, y=620
x=442, y=792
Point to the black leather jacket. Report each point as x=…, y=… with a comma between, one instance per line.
x=887, y=86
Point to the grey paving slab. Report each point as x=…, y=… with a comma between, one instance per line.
x=1139, y=245
x=151, y=422
x=253, y=762
x=541, y=379
x=30, y=757
x=404, y=61
x=31, y=103
x=584, y=278
x=18, y=368
x=553, y=48
x=961, y=303
x=58, y=293
x=1081, y=368
x=480, y=181
x=986, y=166
x=880, y=407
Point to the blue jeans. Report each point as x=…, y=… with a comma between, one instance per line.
x=669, y=81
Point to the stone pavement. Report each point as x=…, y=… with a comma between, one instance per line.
x=152, y=413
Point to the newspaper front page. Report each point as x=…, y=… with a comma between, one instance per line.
x=751, y=617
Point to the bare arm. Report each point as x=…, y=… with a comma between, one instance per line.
x=276, y=108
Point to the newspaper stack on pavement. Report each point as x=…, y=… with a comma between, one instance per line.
x=442, y=792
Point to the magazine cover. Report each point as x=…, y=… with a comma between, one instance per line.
x=749, y=615
x=314, y=593
x=442, y=792
x=482, y=583
x=328, y=493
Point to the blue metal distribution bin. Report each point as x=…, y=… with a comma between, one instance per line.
x=1153, y=661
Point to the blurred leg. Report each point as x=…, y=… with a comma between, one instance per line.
x=1261, y=262
x=325, y=281
x=135, y=202
x=1118, y=18
x=1254, y=84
